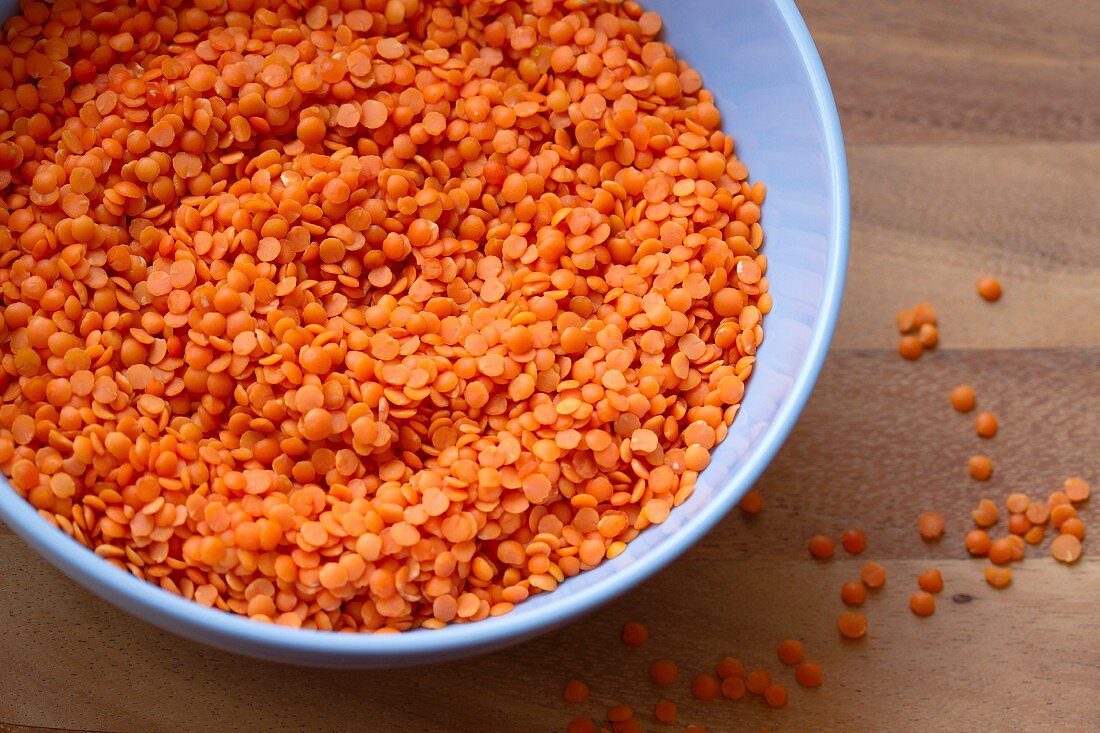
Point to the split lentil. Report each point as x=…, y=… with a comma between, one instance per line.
x=808, y=674
x=852, y=625
x=854, y=541
x=706, y=687
x=985, y=424
x=980, y=467
x=370, y=316
x=853, y=593
x=962, y=398
x=931, y=581
x=634, y=633
x=930, y=525
x=576, y=691
x=989, y=288
x=922, y=603
x=791, y=651
x=822, y=547
x=873, y=575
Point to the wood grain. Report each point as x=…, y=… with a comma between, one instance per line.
x=974, y=72
x=974, y=137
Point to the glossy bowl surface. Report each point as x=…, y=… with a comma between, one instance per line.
x=759, y=60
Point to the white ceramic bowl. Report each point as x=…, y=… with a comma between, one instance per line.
x=758, y=59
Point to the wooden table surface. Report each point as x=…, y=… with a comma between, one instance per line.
x=973, y=133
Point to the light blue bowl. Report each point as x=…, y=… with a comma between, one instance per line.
x=758, y=59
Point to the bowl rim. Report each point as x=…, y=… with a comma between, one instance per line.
x=218, y=628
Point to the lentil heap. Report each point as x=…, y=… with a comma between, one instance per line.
x=368, y=316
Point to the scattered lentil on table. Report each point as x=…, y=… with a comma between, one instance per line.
x=371, y=315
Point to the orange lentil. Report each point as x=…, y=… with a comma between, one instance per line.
x=922, y=603
x=1077, y=489
x=729, y=667
x=873, y=575
x=1000, y=551
x=853, y=593
x=822, y=547
x=986, y=514
x=407, y=360
x=924, y=314
x=1060, y=514
x=910, y=347
x=576, y=691
x=620, y=713
x=664, y=672
x=980, y=467
x=978, y=542
x=733, y=688
x=930, y=580
x=665, y=711
x=989, y=288
x=854, y=541
x=852, y=624
x=757, y=681
x=634, y=633
x=581, y=725
x=1066, y=548
x=998, y=577
x=808, y=674
x=1017, y=503
x=706, y=687
x=1018, y=524
x=962, y=398
x=930, y=525
x=791, y=651
x=752, y=502
x=1073, y=526
x=929, y=336
x=985, y=424
x=775, y=695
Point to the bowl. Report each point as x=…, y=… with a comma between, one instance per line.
x=759, y=60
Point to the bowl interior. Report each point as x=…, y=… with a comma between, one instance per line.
x=757, y=58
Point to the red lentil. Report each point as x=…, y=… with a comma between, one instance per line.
x=989, y=288
x=581, y=725
x=854, y=541
x=873, y=575
x=757, y=681
x=930, y=525
x=576, y=691
x=962, y=398
x=665, y=711
x=1066, y=548
x=791, y=651
x=852, y=624
x=664, y=672
x=733, y=688
x=1077, y=489
x=752, y=502
x=776, y=696
x=931, y=581
x=634, y=633
x=822, y=547
x=986, y=514
x=706, y=687
x=367, y=364
x=985, y=424
x=808, y=674
x=729, y=667
x=922, y=603
x=853, y=593
x=980, y=467
x=998, y=577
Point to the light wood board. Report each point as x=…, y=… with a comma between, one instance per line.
x=973, y=133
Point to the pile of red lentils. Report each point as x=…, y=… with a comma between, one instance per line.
x=370, y=315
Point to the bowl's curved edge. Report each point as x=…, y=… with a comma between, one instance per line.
x=315, y=648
